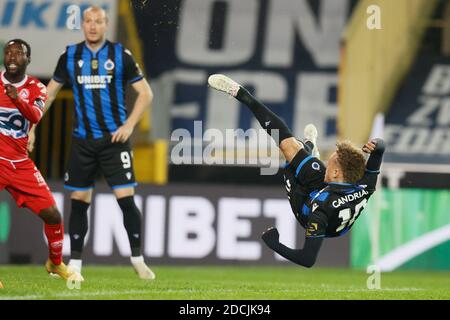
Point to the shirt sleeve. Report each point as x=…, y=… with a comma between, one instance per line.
x=373, y=166
x=376, y=157
x=305, y=257
x=369, y=179
x=132, y=71
x=61, y=75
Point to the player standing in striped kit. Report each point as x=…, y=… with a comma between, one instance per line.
x=98, y=72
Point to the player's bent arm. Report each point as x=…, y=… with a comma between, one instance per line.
x=31, y=111
x=53, y=88
x=143, y=101
x=305, y=257
x=315, y=233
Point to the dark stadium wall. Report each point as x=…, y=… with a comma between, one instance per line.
x=182, y=224
x=286, y=52
x=418, y=124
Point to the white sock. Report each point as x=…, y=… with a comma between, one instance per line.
x=136, y=260
x=77, y=263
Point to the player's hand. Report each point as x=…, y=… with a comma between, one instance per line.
x=122, y=134
x=31, y=140
x=271, y=237
x=11, y=91
x=370, y=146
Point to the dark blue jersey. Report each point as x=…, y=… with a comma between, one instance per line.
x=326, y=209
x=98, y=80
x=332, y=211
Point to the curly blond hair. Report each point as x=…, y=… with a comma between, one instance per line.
x=351, y=160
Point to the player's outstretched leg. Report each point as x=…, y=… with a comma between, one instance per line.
x=273, y=124
x=268, y=120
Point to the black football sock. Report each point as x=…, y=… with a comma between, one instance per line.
x=308, y=145
x=132, y=223
x=268, y=120
x=78, y=227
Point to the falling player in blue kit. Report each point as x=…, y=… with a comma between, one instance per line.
x=326, y=201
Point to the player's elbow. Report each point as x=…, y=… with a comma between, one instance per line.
x=146, y=96
x=309, y=263
x=150, y=97
x=34, y=119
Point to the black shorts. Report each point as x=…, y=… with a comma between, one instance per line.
x=303, y=175
x=90, y=156
x=308, y=171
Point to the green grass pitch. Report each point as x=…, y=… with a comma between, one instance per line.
x=224, y=283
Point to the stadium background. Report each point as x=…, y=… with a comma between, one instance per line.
x=311, y=61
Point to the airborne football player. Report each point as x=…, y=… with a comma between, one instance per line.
x=326, y=201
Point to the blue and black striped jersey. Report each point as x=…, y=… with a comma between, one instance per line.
x=327, y=209
x=98, y=80
x=332, y=210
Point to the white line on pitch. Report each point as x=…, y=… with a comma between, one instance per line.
x=84, y=294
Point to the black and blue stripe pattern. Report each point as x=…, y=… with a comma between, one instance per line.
x=99, y=81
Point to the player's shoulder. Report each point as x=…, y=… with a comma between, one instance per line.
x=33, y=81
x=35, y=85
x=123, y=48
x=120, y=47
x=72, y=48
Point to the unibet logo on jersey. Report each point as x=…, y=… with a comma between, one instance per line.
x=94, y=82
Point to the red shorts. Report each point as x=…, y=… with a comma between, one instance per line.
x=26, y=184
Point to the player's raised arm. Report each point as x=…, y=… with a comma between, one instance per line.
x=375, y=148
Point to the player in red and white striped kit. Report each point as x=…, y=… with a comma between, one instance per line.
x=22, y=99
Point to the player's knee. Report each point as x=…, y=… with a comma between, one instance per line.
x=85, y=196
x=123, y=193
x=290, y=147
x=50, y=215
